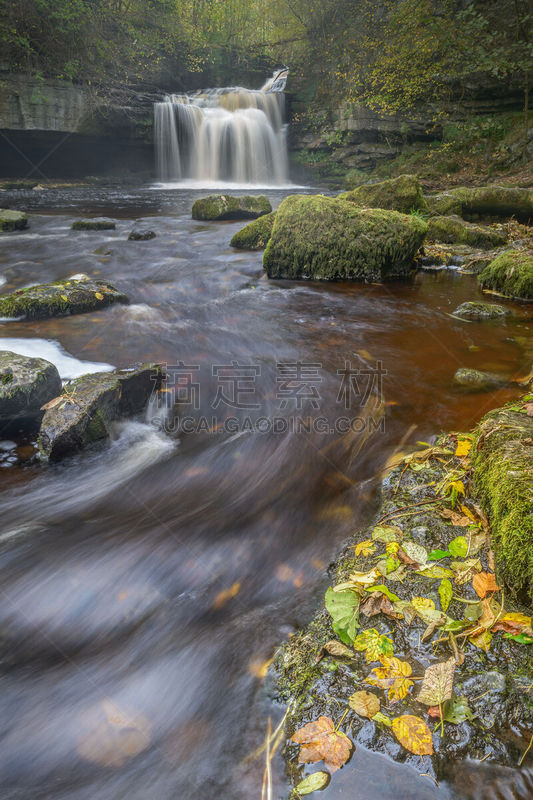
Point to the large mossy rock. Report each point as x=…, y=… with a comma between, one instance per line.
x=25, y=385
x=256, y=235
x=444, y=204
x=495, y=201
x=60, y=299
x=91, y=404
x=503, y=478
x=454, y=230
x=12, y=220
x=322, y=238
x=225, y=206
x=398, y=194
x=94, y=224
x=510, y=274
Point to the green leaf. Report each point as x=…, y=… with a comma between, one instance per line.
x=458, y=547
x=384, y=590
x=374, y=644
x=382, y=719
x=387, y=533
x=436, y=555
x=313, y=783
x=435, y=572
x=343, y=608
x=522, y=638
x=445, y=593
x=456, y=710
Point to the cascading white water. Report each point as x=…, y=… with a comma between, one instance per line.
x=234, y=135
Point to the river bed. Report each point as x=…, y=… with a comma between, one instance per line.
x=147, y=582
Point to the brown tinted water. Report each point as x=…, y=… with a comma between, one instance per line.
x=145, y=582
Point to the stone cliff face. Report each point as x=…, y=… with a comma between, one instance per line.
x=53, y=128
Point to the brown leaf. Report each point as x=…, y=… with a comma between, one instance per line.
x=485, y=582
x=378, y=603
x=461, y=520
x=529, y=409
x=53, y=403
x=334, y=648
x=402, y=555
x=437, y=685
x=366, y=704
x=319, y=741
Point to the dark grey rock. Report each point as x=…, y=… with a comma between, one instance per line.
x=141, y=236
x=25, y=385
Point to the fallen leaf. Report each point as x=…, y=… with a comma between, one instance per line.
x=460, y=520
x=365, y=578
x=458, y=547
x=53, y=403
x=259, y=669
x=343, y=608
x=393, y=676
x=437, y=684
x=365, y=548
x=421, y=603
x=336, y=649
x=99, y=295
x=366, y=704
x=416, y=552
x=226, y=594
x=387, y=533
x=313, y=783
x=413, y=734
x=514, y=623
x=374, y=644
x=380, y=587
x=463, y=448
x=382, y=719
x=483, y=640
x=436, y=555
x=454, y=710
x=485, y=582
x=445, y=593
x=319, y=741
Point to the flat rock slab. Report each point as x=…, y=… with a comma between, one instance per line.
x=91, y=404
x=25, y=385
x=12, y=220
x=473, y=310
x=61, y=298
x=96, y=224
x=226, y=206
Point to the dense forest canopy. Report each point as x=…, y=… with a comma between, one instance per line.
x=389, y=54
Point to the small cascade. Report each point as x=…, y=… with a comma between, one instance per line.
x=230, y=135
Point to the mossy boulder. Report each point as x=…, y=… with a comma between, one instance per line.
x=61, y=298
x=475, y=380
x=503, y=479
x=399, y=194
x=510, y=274
x=95, y=224
x=12, y=220
x=322, y=238
x=443, y=205
x=225, y=206
x=256, y=234
x=25, y=385
x=476, y=310
x=454, y=230
x=495, y=201
x=91, y=404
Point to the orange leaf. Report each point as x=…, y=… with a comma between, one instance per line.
x=226, y=594
x=485, y=582
x=319, y=741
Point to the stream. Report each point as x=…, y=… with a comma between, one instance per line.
x=147, y=581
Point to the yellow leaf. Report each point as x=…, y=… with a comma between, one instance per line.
x=458, y=486
x=64, y=297
x=421, y=603
x=413, y=734
x=463, y=447
x=365, y=548
x=399, y=689
x=99, y=295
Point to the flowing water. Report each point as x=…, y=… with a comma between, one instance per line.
x=146, y=581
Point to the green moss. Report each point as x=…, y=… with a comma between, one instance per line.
x=59, y=299
x=225, y=206
x=400, y=194
x=98, y=224
x=454, y=230
x=12, y=220
x=480, y=311
x=499, y=201
x=321, y=238
x=256, y=235
x=511, y=274
x=503, y=477
x=444, y=204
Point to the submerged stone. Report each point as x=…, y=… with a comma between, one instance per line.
x=399, y=194
x=91, y=404
x=73, y=295
x=510, y=274
x=475, y=380
x=476, y=310
x=225, y=206
x=322, y=238
x=96, y=224
x=12, y=220
x=141, y=236
x=25, y=385
x=503, y=478
x=454, y=230
x=256, y=235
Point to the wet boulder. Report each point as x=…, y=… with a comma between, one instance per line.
x=95, y=224
x=475, y=380
x=12, y=220
x=503, y=479
x=25, y=385
x=510, y=274
x=454, y=230
x=495, y=201
x=475, y=310
x=398, y=194
x=256, y=235
x=73, y=295
x=322, y=238
x=226, y=206
x=91, y=404
x=141, y=236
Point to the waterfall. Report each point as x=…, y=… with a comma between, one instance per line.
x=230, y=135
